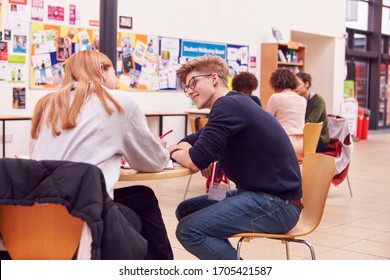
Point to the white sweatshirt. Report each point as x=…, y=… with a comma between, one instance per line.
x=101, y=139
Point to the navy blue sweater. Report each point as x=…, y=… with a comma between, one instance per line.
x=252, y=147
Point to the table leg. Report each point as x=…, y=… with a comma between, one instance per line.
x=160, y=125
x=185, y=125
x=3, y=138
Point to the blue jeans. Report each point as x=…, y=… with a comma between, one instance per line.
x=205, y=225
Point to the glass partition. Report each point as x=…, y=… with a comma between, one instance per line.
x=357, y=14
x=384, y=101
x=386, y=17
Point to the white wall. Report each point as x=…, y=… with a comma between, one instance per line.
x=246, y=22
x=326, y=66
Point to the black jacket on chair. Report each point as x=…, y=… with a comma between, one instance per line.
x=81, y=188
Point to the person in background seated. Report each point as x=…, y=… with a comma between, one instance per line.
x=288, y=107
x=87, y=120
x=315, y=109
x=246, y=83
x=254, y=152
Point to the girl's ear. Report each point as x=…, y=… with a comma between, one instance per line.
x=103, y=73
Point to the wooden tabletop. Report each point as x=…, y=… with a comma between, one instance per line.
x=162, y=114
x=198, y=112
x=15, y=118
x=132, y=175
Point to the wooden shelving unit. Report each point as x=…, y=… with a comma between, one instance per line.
x=279, y=55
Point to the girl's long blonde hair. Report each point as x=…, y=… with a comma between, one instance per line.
x=83, y=75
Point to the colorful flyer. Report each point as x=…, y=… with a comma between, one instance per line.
x=72, y=14
x=1, y=14
x=19, y=98
x=7, y=34
x=37, y=10
x=18, y=17
x=19, y=43
x=3, y=50
x=55, y=13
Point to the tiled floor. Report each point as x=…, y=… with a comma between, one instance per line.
x=352, y=228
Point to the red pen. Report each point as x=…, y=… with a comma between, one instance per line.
x=165, y=134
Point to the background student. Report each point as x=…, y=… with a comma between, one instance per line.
x=254, y=152
x=246, y=83
x=86, y=121
x=288, y=107
x=315, y=109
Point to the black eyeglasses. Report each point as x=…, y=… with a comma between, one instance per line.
x=192, y=82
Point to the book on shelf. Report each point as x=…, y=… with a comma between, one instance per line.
x=282, y=58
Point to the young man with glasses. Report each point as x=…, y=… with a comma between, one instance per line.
x=255, y=153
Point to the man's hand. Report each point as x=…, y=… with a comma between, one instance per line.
x=207, y=171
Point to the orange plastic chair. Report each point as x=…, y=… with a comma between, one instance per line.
x=39, y=232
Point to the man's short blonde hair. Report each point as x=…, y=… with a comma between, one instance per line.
x=205, y=65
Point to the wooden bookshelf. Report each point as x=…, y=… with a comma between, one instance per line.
x=279, y=55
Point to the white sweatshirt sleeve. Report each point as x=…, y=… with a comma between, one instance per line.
x=142, y=150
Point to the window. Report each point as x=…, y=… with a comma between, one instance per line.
x=386, y=17
x=385, y=48
x=360, y=42
x=357, y=39
x=361, y=83
x=384, y=97
x=357, y=14
x=357, y=71
x=352, y=10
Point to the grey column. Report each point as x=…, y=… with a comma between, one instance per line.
x=108, y=28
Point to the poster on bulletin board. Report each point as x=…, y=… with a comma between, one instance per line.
x=237, y=58
x=137, y=61
x=51, y=45
x=168, y=63
x=191, y=49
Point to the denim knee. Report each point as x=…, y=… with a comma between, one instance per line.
x=185, y=230
x=181, y=232
x=179, y=212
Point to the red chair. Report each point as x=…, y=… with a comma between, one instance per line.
x=217, y=176
x=340, y=147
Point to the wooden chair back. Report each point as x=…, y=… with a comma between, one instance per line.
x=197, y=123
x=39, y=232
x=311, y=136
x=317, y=174
x=192, y=124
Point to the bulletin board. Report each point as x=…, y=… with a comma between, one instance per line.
x=137, y=61
x=144, y=62
x=51, y=45
x=175, y=52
